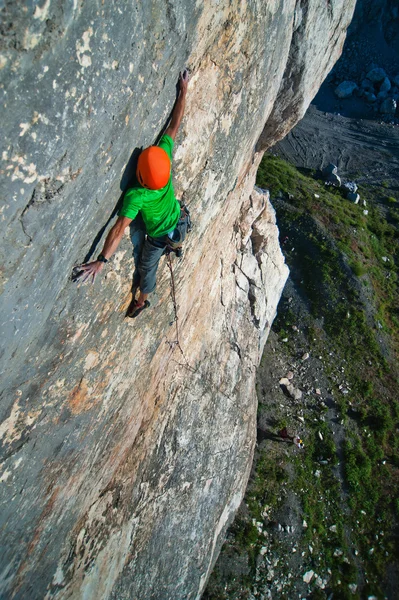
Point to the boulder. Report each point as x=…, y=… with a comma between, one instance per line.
x=321, y=583
x=350, y=186
x=353, y=197
x=396, y=80
x=308, y=576
x=290, y=389
x=370, y=97
x=330, y=169
x=388, y=107
x=385, y=85
x=333, y=179
x=382, y=95
x=345, y=89
x=376, y=75
x=367, y=84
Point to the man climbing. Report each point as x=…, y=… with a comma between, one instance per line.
x=154, y=197
x=283, y=433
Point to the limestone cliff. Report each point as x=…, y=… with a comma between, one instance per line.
x=123, y=461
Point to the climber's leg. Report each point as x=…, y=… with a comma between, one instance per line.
x=151, y=255
x=148, y=266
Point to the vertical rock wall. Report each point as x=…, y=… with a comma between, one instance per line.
x=123, y=459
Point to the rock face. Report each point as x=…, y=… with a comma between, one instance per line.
x=123, y=457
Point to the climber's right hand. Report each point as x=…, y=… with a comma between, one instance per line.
x=83, y=273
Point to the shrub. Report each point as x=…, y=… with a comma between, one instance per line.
x=358, y=268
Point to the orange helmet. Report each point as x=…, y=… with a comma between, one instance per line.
x=153, y=168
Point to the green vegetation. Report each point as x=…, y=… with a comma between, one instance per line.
x=333, y=239
x=344, y=263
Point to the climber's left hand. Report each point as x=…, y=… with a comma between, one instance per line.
x=83, y=273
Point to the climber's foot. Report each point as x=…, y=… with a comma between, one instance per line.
x=136, y=308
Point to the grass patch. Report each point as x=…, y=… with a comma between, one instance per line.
x=345, y=264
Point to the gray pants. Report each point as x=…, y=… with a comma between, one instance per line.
x=153, y=249
x=149, y=262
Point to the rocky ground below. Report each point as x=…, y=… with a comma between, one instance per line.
x=317, y=522
x=365, y=150
x=290, y=560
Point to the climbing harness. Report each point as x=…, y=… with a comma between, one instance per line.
x=176, y=237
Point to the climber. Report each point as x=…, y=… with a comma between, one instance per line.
x=165, y=221
x=283, y=433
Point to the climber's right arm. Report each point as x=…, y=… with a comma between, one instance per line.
x=91, y=270
x=178, y=110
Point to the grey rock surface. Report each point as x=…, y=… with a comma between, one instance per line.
x=370, y=97
x=333, y=179
x=367, y=84
x=353, y=197
x=350, y=186
x=124, y=459
x=345, y=89
x=330, y=169
x=359, y=146
x=376, y=75
x=385, y=85
x=290, y=389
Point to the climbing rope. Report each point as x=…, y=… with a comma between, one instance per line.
x=173, y=295
x=176, y=342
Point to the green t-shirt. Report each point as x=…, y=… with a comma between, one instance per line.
x=159, y=208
